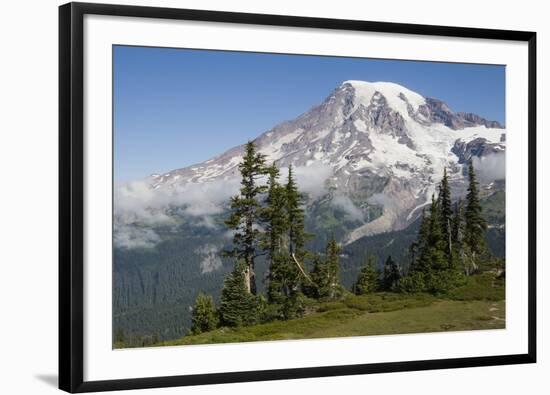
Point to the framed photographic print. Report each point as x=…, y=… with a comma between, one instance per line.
x=251, y=197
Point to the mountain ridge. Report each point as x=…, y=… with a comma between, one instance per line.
x=378, y=145
x=434, y=110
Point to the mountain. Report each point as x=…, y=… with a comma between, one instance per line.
x=368, y=159
x=379, y=149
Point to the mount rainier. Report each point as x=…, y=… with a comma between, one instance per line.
x=374, y=151
x=367, y=158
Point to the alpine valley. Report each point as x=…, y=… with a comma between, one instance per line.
x=367, y=158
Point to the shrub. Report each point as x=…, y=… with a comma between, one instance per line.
x=238, y=307
x=443, y=281
x=204, y=317
x=412, y=283
x=480, y=287
x=294, y=306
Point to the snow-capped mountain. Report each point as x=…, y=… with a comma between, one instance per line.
x=380, y=146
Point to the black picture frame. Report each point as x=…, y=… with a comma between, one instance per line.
x=71, y=195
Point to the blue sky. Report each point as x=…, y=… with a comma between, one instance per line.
x=176, y=107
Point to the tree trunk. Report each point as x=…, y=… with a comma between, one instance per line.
x=247, y=279
x=450, y=237
x=250, y=279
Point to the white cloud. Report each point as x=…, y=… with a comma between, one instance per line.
x=134, y=237
x=211, y=260
x=491, y=167
x=345, y=203
x=311, y=179
x=137, y=203
x=204, y=199
x=382, y=199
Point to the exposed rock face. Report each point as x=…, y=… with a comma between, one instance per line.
x=436, y=111
x=473, y=119
x=477, y=147
x=384, y=146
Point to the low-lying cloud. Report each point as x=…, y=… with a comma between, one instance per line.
x=343, y=202
x=490, y=167
x=312, y=178
x=137, y=203
x=126, y=236
x=382, y=199
x=210, y=258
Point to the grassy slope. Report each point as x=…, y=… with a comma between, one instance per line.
x=442, y=315
x=478, y=305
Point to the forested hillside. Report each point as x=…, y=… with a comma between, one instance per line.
x=155, y=288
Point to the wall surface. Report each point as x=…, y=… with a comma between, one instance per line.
x=28, y=197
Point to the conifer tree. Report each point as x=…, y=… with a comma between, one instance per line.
x=333, y=288
x=238, y=307
x=419, y=265
x=246, y=211
x=419, y=245
x=275, y=219
x=457, y=236
x=297, y=235
x=294, y=305
x=458, y=223
x=367, y=279
x=430, y=272
x=283, y=242
x=320, y=277
x=204, y=317
x=446, y=213
x=475, y=224
x=434, y=253
x=326, y=273
x=431, y=243
x=391, y=274
x=437, y=253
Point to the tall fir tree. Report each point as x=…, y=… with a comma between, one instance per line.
x=431, y=254
x=436, y=239
x=446, y=213
x=204, y=316
x=419, y=245
x=475, y=224
x=431, y=271
x=297, y=236
x=367, y=279
x=274, y=243
x=391, y=274
x=457, y=236
x=246, y=213
x=419, y=264
x=333, y=288
x=274, y=216
x=238, y=307
x=439, y=256
x=326, y=273
x=319, y=276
